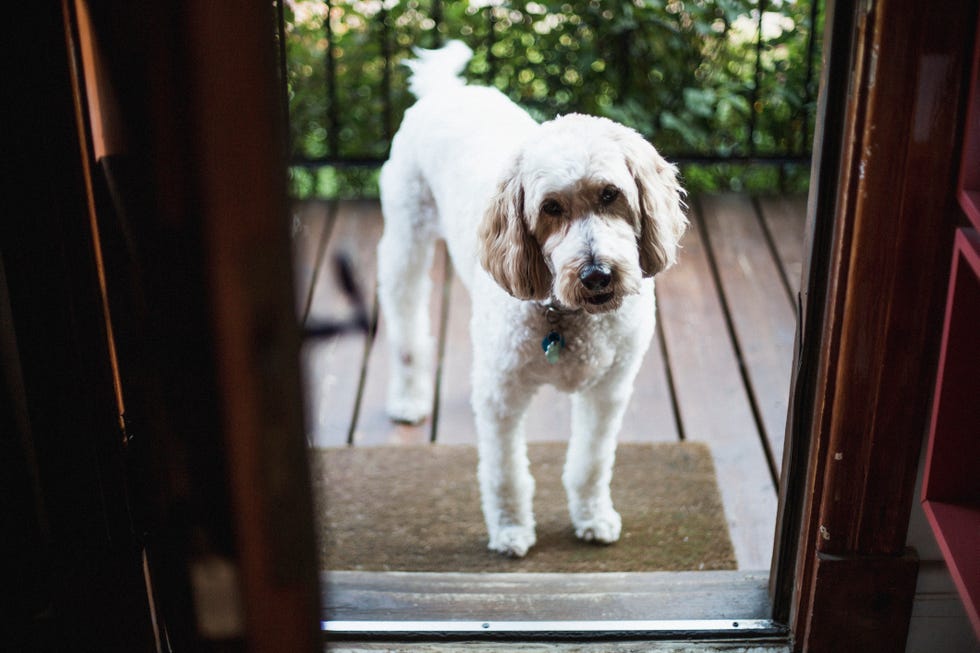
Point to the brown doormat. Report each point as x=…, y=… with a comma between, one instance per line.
x=417, y=508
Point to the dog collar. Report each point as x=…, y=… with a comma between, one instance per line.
x=554, y=342
x=555, y=310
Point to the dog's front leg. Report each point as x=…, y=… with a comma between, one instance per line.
x=506, y=484
x=597, y=414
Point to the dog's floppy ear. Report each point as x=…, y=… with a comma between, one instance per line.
x=661, y=218
x=508, y=250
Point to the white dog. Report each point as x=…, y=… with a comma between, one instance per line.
x=556, y=229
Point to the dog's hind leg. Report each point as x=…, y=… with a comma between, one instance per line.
x=404, y=260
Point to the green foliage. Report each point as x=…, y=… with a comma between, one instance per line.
x=682, y=72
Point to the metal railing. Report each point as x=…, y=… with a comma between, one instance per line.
x=741, y=90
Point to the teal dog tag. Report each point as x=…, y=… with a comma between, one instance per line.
x=552, y=345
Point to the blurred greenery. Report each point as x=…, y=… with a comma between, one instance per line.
x=682, y=72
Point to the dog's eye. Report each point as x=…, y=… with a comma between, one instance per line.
x=552, y=207
x=608, y=195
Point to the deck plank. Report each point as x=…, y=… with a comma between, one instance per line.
x=374, y=426
x=711, y=399
x=327, y=365
x=549, y=417
x=455, y=417
x=309, y=221
x=761, y=313
x=713, y=402
x=785, y=217
x=333, y=367
x=650, y=415
x=355, y=233
x=330, y=396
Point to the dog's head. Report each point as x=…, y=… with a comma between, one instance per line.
x=587, y=209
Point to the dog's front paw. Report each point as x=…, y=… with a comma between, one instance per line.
x=603, y=528
x=513, y=541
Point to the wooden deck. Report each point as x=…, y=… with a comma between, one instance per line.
x=718, y=372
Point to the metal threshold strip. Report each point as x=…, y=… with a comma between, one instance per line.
x=638, y=629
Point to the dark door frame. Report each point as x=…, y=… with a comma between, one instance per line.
x=880, y=232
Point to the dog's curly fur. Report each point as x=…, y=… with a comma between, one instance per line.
x=578, y=213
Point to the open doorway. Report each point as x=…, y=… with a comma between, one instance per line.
x=716, y=378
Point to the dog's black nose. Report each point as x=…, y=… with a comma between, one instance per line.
x=595, y=277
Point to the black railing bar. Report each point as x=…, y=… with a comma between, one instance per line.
x=369, y=343
x=491, y=40
x=708, y=159
x=386, y=117
x=623, y=48
x=757, y=84
x=770, y=241
x=339, y=162
x=808, y=81
x=319, y=258
x=333, y=116
x=680, y=159
x=283, y=74
x=437, y=19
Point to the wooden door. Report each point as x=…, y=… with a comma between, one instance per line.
x=881, y=231
x=178, y=124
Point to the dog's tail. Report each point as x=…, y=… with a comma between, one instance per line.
x=437, y=69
